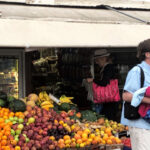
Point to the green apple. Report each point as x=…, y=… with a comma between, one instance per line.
x=12, y=132
x=14, y=122
x=7, y=120
x=20, y=120
x=18, y=131
x=11, y=118
x=31, y=120
x=16, y=139
x=27, y=140
x=16, y=118
x=25, y=135
x=20, y=126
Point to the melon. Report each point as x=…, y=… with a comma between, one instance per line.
x=30, y=103
x=33, y=97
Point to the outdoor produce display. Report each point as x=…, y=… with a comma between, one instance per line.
x=39, y=123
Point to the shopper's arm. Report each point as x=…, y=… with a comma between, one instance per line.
x=127, y=96
x=146, y=100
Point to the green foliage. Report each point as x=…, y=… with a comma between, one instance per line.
x=17, y=105
x=2, y=103
x=88, y=115
x=64, y=107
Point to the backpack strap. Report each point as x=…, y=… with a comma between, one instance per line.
x=142, y=76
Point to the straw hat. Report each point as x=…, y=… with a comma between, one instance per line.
x=101, y=53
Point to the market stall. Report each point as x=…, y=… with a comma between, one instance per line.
x=68, y=36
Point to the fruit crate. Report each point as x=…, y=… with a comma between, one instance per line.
x=114, y=147
x=92, y=147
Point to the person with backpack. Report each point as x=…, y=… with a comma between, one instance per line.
x=138, y=77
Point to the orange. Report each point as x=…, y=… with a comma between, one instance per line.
x=94, y=142
x=21, y=116
x=66, y=137
x=77, y=136
x=73, y=139
x=105, y=138
x=7, y=128
x=118, y=141
x=14, y=142
x=11, y=114
x=92, y=136
x=61, y=141
x=7, y=148
x=84, y=135
x=84, y=139
x=1, y=134
x=103, y=142
x=52, y=138
x=5, y=113
x=87, y=131
x=79, y=141
x=3, y=142
x=1, y=120
x=97, y=139
x=5, y=117
x=10, y=123
x=17, y=148
x=4, y=137
x=61, y=146
x=79, y=132
x=73, y=144
x=109, y=141
x=17, y=114
x=68, y=141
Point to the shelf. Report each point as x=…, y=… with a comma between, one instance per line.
x=7, y=83
x=43, y=74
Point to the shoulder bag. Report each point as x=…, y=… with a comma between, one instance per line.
x=131, y=112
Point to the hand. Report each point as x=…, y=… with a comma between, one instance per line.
x=127, y=96
x=89, y=80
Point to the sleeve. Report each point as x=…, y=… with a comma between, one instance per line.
x=138, y=96
x=108, y=74
x=132, y=83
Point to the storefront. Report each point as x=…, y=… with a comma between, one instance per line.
x=31, y=28
x=50, y=48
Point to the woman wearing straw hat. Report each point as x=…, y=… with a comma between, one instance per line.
x=107, y=72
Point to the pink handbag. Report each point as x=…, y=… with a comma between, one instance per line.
x=109, y=93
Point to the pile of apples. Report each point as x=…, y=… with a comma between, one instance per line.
x=39, y=125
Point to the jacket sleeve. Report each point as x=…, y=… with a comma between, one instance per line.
x=108, y=74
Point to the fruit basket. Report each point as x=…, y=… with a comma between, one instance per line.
x=114, y=147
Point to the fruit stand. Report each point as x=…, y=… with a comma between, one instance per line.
x=41, y=122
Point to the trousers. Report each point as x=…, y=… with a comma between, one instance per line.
x=139, y=138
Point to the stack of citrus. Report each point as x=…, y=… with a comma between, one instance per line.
x=7, y=141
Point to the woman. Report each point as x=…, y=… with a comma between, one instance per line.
x=107, y=73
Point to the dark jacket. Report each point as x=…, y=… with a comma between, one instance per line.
x=109, y=72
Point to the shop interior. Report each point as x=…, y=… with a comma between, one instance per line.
x=61, y=71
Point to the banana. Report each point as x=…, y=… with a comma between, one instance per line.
x=46, y=103
x=41, y=95
x=64, y=99
x=48, y=106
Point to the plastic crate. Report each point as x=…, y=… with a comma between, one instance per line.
x=114, y=147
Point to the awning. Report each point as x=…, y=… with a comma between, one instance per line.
x=26, y=26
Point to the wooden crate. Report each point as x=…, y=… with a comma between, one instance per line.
x=91, y=147
x=114, y=147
